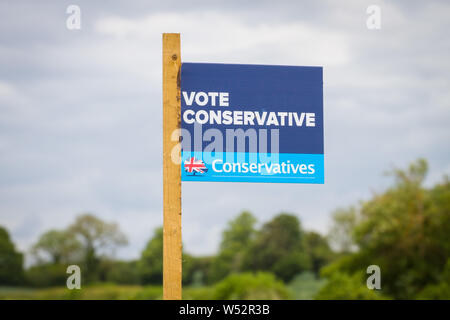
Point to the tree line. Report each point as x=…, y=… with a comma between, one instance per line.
x=404, y=230
x=280, y=246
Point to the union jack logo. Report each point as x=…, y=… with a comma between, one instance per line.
x=194, y=166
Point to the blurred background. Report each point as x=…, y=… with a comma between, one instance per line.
x=81, y=152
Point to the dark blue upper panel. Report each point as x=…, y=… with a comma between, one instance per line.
x=262, y=88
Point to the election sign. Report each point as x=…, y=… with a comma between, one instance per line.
x=251, y=123
x=233, y=123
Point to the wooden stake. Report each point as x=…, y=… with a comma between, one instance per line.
x=172, y=245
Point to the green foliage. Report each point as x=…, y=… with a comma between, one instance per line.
x=57, y=247
x=196, y=270
x=149, y=293
x=96, y=233
x=439, y=290
x=341, y=233
x=291, y=264
x=239, y=232
x=87, y=242
x=342, y=286
x=11, y=261
x=150, y=265
x=47, y=275
x=318, y=250
x=98, y=239
x=405, y=232
x=120, y=272
x=236, y=239
x=279, y=248
x=249, y=286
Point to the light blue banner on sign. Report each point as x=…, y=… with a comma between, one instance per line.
x=252, y=167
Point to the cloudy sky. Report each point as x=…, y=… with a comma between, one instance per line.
x=81, y=111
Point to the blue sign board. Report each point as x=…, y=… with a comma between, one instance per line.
x=251, y=123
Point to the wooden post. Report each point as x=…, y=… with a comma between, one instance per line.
x=172, y=245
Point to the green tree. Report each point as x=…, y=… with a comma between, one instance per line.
x=150, y=265
x=318, y=251
x=47, y=275
x=279, y=248
x=341, y=233
x=236, y=239
x=98, y=238
x=439, y=290
x=57, y=247
x=120, y=272
x=404, y=231
x=11, y=261
x=342, y=286
x=197, y=270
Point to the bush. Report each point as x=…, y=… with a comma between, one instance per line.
x=345, y=287
x=403, y=230
x=290, y=265
x=122, y=272
x=435, y=292
x=439, y=291
x=11, y=261
x=47, y=275
x=249, y=286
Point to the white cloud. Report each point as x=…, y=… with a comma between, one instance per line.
x=224, y=36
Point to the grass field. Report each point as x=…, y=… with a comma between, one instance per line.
x=303, y=287
x=101, y=292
